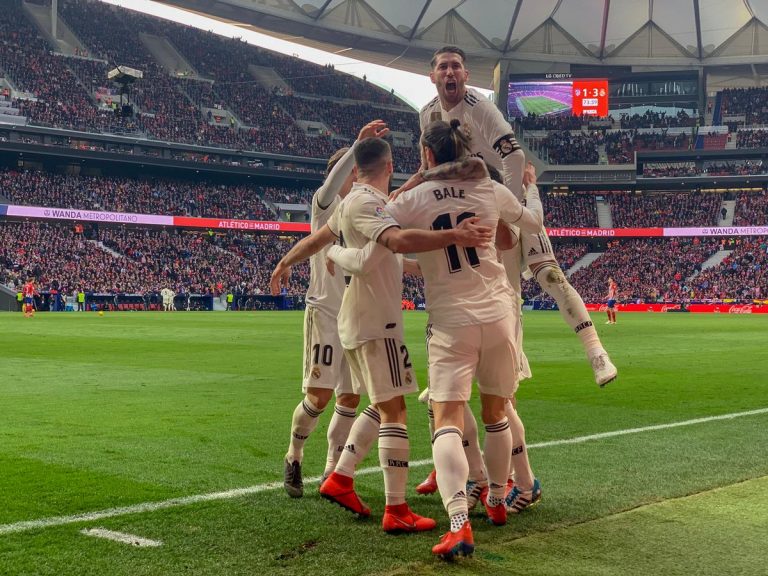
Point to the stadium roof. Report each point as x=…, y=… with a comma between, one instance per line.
x=404, y=33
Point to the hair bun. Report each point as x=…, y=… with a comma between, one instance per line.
x=455, y=124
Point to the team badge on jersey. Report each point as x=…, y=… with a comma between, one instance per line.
x=435, y=116
x=316, y=373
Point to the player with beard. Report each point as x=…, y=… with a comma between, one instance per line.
x=494, y=141
x=325, y=369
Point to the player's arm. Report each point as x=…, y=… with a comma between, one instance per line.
x=499, y=134
x=356, y=261
x=467, y=234
x=528, y=218
x=383, y=225
x=300, y=251
x=341, y=171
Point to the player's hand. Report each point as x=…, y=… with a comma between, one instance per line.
x=529, y=174
x=281, y=276
x=330, y=265
x=374, y=129
x=471, y=235
x=412, y=182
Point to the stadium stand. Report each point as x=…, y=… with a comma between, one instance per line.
x=664, y=209
x=747, y=102
x=72, y=92
x=751, y=209
x=569, y=210
x=142, y=260
x=650, y=269
x=742, y=276
x=149, y=196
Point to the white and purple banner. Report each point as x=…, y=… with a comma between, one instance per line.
x=76, y=215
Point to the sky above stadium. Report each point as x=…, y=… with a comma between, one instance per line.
x=413, y=88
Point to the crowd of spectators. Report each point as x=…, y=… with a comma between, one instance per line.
x=645, y=269
x=638, y=210
x=742, y=276
x=71, y=92
x=141, y=196
x=569, y=148
x=751, y=209
x=750, y=102
x=570, y=210
x=688, y=169
x=652, y=119
x=552, y=122
x=752, y=139
x=137, y=261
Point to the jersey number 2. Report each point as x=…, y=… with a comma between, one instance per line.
x=443, y=222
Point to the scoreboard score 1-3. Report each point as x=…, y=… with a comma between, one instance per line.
x=590, y=97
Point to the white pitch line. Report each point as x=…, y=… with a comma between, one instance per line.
x=27, y=525
x=121, y=537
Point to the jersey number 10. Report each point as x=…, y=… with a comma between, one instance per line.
x=443, y=222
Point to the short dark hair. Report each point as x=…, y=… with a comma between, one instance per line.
x=371, y=155
x=334, y=159
x=447, y=50
x=446, y=141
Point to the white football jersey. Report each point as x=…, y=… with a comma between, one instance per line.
x=464, y=286
x=371, y=307
x=492, y=138
x=325, y=291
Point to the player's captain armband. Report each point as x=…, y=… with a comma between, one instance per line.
x=505, y=145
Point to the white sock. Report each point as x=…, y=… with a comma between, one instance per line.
x=452, y=469
x=394, y=453
x=305, y=418
x=498, y=446
x=571, y=306
x=361, y=436
x=523, y=472
x=471, y=443
x=338, y=431
x=457, y=521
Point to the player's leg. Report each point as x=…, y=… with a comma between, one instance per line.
x=453, y=356
x=477, y=481
x=538, y=254
x=527, y=490
x=339, y=486
x=339, y=428
x=321, y=374
x=452, y=470
x=343, y=417
x=390, y=360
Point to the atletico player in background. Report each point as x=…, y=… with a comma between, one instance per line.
x=29, y=291
x=612, y=290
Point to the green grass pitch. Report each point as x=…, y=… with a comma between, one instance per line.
x=540, y=105
x=98, y=413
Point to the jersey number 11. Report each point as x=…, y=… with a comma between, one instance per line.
x=443, y=222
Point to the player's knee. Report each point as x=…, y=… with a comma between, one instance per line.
x=348, y=400
x=319, y=397
x=392, y=410
x=549, y=274
x=493, y=408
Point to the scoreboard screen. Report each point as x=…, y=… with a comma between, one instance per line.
x=590, y=97
x=558, y=96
